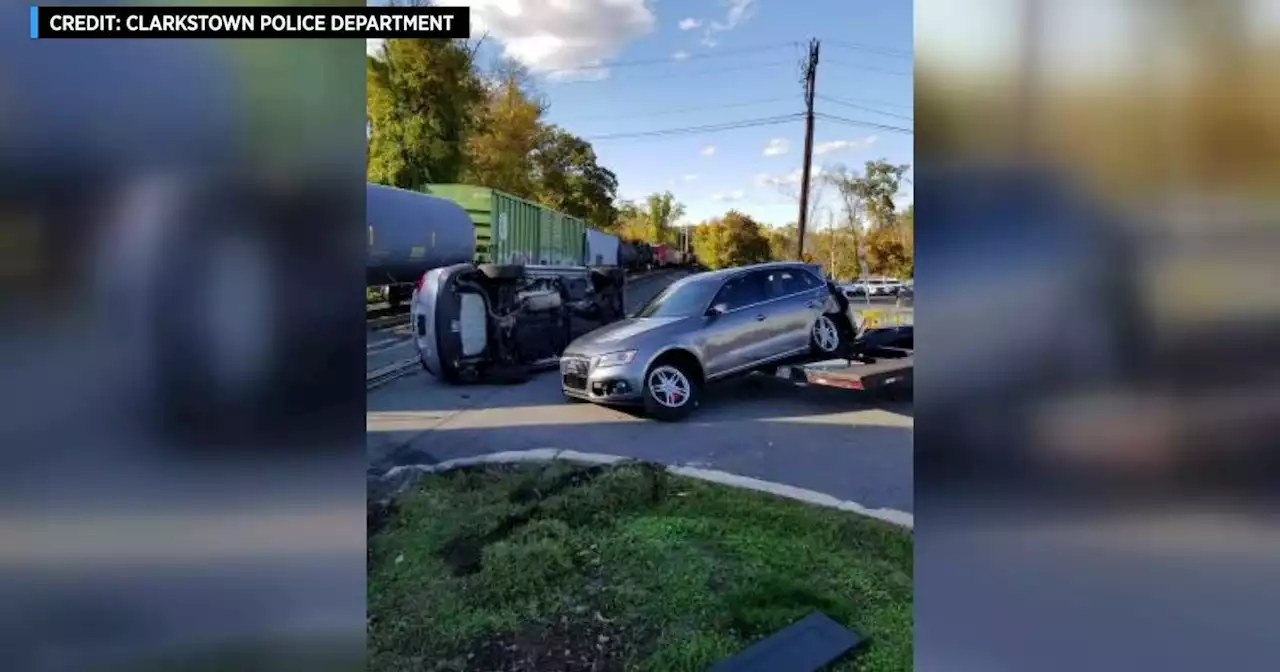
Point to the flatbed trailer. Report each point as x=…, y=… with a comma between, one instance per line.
x=880, y=359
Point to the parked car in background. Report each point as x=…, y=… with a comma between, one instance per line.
x=853, y=290
x=704, y=328
x=877, y=286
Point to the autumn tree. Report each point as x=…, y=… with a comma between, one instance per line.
x=886, y=255
x=836, y=249
x=422, y=97
x=631, y=223
x=509, y=131
x=871, y=220
x=652, y=221
x=733, y=240
x=782, y=242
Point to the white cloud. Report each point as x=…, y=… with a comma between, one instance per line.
x=567, y=41
x=738, y=12
x=680, y=55
x=841, y=145
x=709, y=150
x=790, y=179
x=776, y=147
x=690, y=178
x=735, y=195
x=690, y=23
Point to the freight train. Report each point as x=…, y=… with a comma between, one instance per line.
x=635, y=256
x=412, y=232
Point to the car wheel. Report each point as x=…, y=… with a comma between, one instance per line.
x=828, y=337
x=671, y=391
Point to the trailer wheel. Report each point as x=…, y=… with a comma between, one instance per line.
x=672, y=389
x=829, y=336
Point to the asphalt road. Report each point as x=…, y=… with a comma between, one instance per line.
x=832, y=441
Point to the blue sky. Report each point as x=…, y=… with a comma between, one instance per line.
x=719, y=62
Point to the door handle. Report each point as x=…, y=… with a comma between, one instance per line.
x=760, y=318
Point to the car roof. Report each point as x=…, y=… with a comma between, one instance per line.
x=724, y=273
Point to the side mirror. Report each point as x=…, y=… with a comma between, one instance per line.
x=718, y=310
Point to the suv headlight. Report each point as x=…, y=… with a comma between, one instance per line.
x=615, y=358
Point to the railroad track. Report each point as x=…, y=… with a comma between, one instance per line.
x=387, y=321
x=381, y=376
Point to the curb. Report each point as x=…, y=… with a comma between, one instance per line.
x=404, y=475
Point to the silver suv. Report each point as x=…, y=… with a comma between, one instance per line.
x=707, y=327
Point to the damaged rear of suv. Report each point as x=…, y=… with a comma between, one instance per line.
x=474, y=323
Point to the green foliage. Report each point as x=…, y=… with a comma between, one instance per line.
x=435, y=118
x=662, y=212
x=572, y=181
x=653, y=221
x=421, y=100
x=837, y=252
x=658, y=578
x=888, y=254
x=873, y=230
x=507, y=132
x=782, y=242
x=733, y=240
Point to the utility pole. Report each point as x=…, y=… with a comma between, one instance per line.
x=1032, y=19
x=810, y=80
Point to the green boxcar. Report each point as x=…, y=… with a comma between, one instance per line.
x=511, y=230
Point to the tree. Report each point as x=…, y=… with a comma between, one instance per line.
x=782, y=241
x=837, y=251
x=630, y=224
x=421, y=98
x=653, y=221
x=733, y=240
x=570, y=179
x=879, y=187
x=887, y=255
x=662, y=212
x=509, y=131
x=887, y=243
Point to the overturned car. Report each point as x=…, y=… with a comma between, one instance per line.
x=475, y=323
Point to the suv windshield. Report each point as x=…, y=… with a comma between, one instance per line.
x=682, y=299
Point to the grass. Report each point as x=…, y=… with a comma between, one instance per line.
x=560, y=567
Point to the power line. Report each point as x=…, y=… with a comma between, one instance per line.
x=672, y=59
x=682, y=75
x=872, y=49
x=881, y=103
x=682, y=110
x=866, y=124
x=864, y=108
x=859, y=66
x=707, y=128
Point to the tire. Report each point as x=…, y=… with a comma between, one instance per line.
x=829, y=336
x=674, y=371
x=501, y=271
